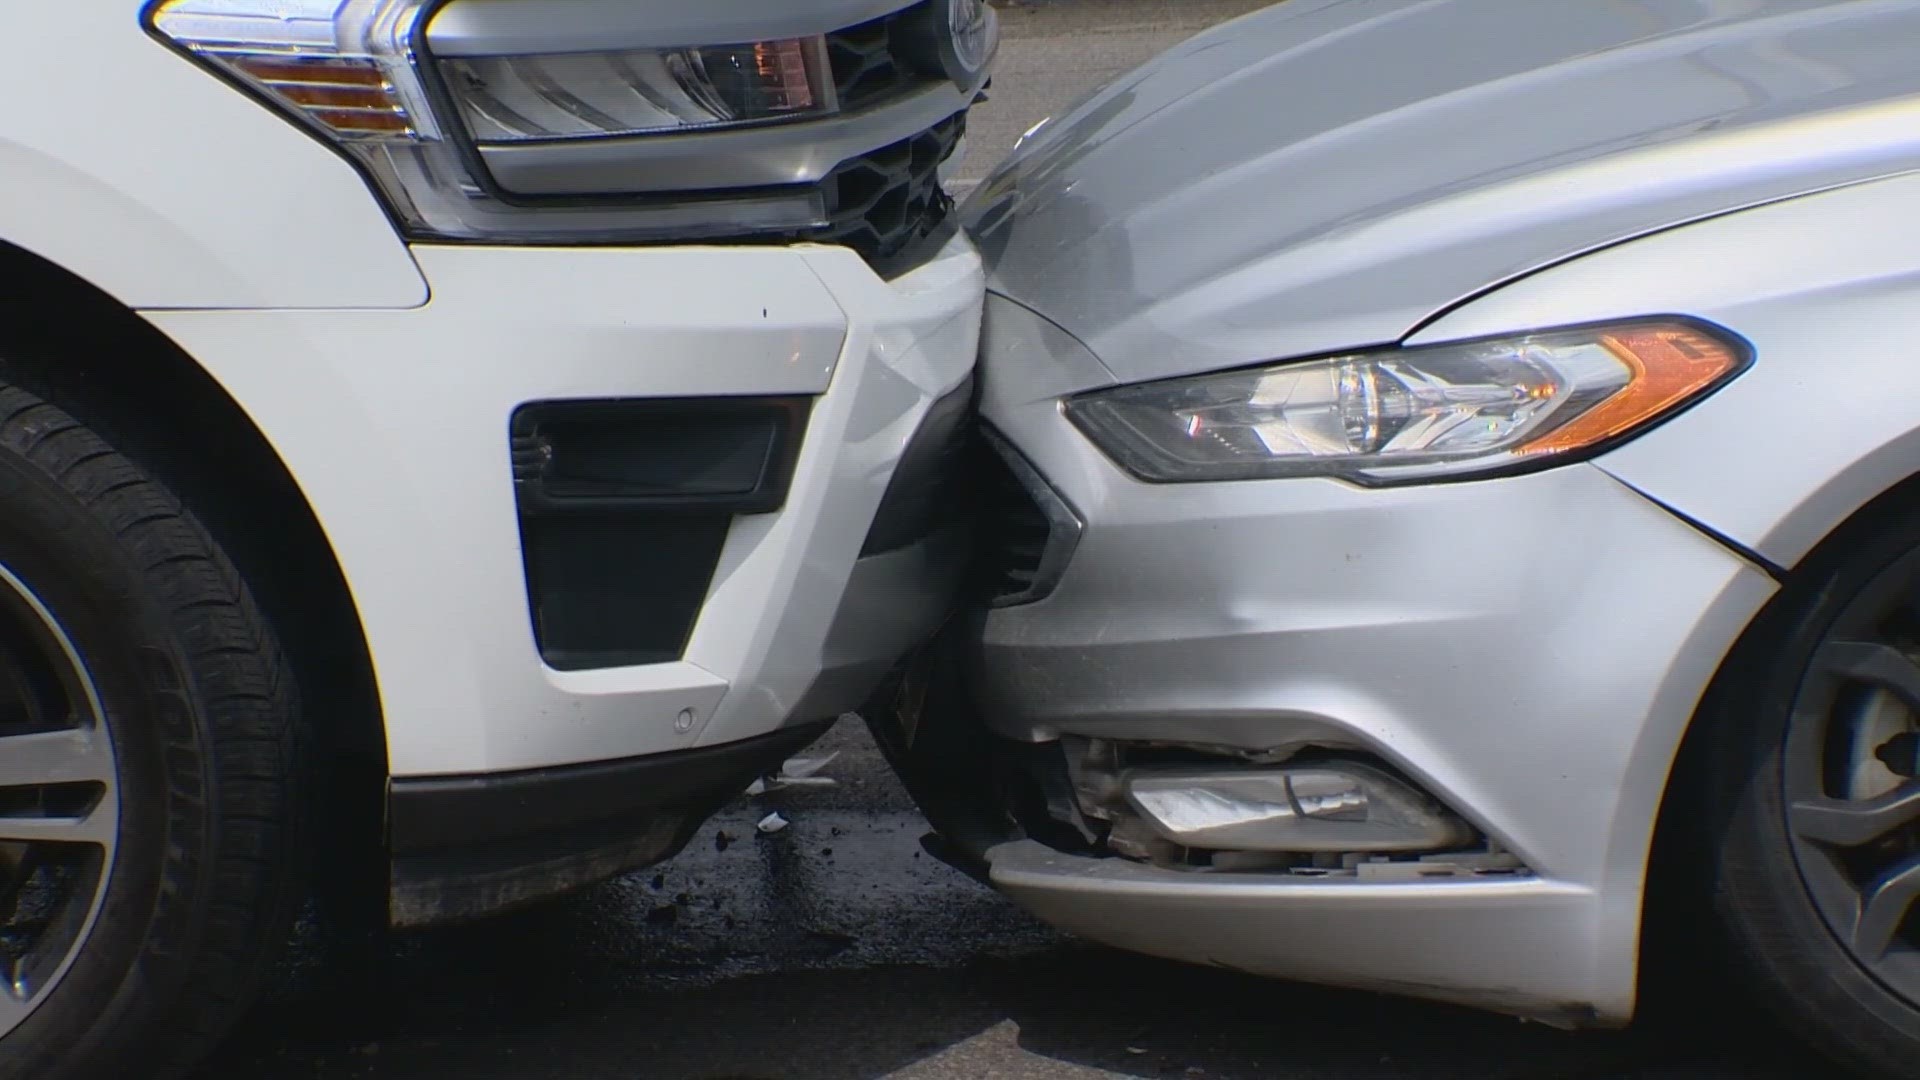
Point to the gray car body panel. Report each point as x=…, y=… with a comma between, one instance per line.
x=1825, y=289
x=1528, y=649
x=1320, y=177
x=1531, y=648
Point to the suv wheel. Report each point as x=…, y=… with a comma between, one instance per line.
x=147, y=766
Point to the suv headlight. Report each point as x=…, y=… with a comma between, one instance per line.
x=643, y=91
x=1405, y=415
x=357, y=72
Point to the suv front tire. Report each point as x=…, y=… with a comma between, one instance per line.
x=149, y=765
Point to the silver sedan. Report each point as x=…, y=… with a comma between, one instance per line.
x=1453, y=473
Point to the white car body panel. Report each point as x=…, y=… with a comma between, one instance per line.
x=396, y=431
x=541, y=491
x=194, y=195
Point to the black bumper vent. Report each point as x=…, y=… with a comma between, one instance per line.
x=1028, y=532
x=624, y=508
x=930, y=487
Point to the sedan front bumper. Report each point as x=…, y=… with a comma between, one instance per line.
x=1529, y=650
x=1512, y=945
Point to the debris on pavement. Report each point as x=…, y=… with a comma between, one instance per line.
x=796, y=772
x=771, y=824
x=802, y=768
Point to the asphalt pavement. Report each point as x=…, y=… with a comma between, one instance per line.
x=834, y=948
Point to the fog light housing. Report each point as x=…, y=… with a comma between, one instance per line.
x=1339, y=807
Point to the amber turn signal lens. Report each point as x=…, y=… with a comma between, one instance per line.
x=352, y=98
x=1669, y=364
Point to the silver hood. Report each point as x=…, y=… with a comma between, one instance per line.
x=1324, y=175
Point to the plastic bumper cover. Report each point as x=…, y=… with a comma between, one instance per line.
x=1527, y=649
x=395, y=424
x=1511, y=945
x=471, y=846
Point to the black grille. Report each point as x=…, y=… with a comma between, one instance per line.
x=930, y=486
x=866, y=66
x=1015, y=532
x=883, y=202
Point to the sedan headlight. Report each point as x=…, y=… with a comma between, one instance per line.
x=1405, y=415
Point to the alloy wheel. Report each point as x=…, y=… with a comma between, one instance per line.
x=59, y=802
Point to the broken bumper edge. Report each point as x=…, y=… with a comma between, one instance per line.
x=464, y=847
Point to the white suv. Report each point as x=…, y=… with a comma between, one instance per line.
x=446, y=449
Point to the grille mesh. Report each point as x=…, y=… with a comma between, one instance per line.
x=865, y=67
x=881, y=203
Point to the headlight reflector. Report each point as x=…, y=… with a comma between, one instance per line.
x=511, y=99
x=1403, y=415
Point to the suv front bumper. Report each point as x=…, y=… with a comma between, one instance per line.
x=396, y=426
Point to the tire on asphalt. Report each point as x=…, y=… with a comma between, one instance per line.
x=1783, y=953
x=200, y=707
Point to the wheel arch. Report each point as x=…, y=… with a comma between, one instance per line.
x=72, y=343
x=1778, y=468
x=1672, y=906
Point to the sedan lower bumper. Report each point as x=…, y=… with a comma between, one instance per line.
x=1511, y=945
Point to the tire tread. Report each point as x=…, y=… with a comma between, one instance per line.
x=239, y=681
